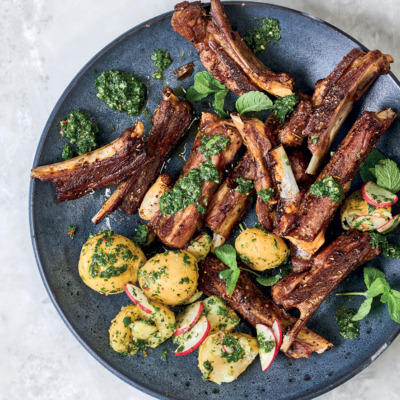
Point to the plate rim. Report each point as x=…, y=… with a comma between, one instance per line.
x=32, y=223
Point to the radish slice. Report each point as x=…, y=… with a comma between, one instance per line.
x=277, y=330
x=194, y=298
x=390, y=225
x=377, y=196
x=189, y=318
x=267, y=343
x=138, y=297
x=226, y=349
x=368, y=222
x=193, y=338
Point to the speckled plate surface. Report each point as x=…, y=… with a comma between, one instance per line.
x=309, y=50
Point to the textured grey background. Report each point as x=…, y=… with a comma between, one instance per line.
x=43, y=44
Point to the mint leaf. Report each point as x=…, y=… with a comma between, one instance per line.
x=378, y=286
x=388, y=175
x=364, y=310
x=218, y=103
x=225, y=274
x=365, y=169
x=204, y=82
x=394, y=305
x=253, y=101
x=268, y=280
x=232, y=280
x=227, y=254
x=193, y=95
x=371, y=274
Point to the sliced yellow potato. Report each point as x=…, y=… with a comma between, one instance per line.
x=220, y=316
x=200, y=246
x=219, y=366
x=133, y=329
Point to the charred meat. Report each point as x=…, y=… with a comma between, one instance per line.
x=106, y=166
x=335, y=95
x=315, y=211
x=176, y=229
x=224, y=53
x=257, y=308
x=307, y=290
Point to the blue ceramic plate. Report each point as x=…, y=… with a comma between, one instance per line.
x=309, y=50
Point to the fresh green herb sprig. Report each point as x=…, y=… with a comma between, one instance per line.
x=206, y=85
x=377, y=285
x=381, y=170
x=142, y=235
x=257, y=101
x=259, y=37
x=227, y=254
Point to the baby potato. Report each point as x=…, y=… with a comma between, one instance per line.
x=221, y=317
x=218, y=366
x=134, y=329
x=261, y=250
x=355, y=206
x=170, y=277
x=200, y=246
x=109, y=261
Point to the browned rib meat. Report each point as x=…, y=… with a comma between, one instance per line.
x=106, y=166
x=228, y=206
x=259, y=142
x=176, y=230
x=257, y=308
x=335, y=95
x=292, y=132
x=316, y=212
x=170, y=121
x=224, y=53
x=307, y=290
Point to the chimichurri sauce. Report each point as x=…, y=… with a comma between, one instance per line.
x=327, y=187
x=121, y=91
x=81, y=133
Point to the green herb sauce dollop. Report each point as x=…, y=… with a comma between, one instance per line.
x=327, y=187
x=121, y=91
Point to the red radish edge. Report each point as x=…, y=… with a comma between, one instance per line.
x=138, y=297
x=191, y=316
x=390, y=225
x=370, y=219
x=367, y=187
x=277, y=330
x=272, y=354
x=203, y=325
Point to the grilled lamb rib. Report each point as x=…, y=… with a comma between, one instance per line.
x=170, y=121
x=307, y=290
x=176, y=230
x=335, y=95
x=257, y=308
x=224, y=53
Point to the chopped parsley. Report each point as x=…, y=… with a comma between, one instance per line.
x=284, y=106
x=121, y=91
x=263, y=343
x=213, y=145
x=327, y=187
x=164, y=354
x=127, y=321
x=161, y=59
x=237, y=352
x=244, y=185
x=348, y=328
x=266, y=194
x=388, y=250
x=142, y=235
